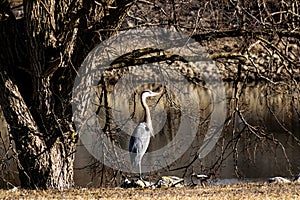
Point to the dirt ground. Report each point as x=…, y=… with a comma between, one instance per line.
x=237, y=191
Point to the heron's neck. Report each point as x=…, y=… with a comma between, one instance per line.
x=147, y=117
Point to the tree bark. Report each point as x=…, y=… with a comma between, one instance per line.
x=40, y=55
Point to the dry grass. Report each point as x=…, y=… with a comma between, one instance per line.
x=238, y=191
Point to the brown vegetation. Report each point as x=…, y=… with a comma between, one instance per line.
x=237, y=191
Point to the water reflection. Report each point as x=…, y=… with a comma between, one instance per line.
x=271, y=150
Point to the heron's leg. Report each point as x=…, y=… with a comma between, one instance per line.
x=140, y=169
x=141, y=178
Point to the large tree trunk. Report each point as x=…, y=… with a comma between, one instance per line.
x=39, y=57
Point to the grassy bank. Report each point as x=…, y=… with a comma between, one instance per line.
x=237, y=191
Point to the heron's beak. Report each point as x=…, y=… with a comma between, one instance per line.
x=157, y=93
x=152, y=133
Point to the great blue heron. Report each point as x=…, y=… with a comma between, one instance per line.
x=140, y=137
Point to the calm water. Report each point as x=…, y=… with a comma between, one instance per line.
x=272, y=151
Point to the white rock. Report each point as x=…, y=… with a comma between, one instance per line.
x=278, y=179
x=297, y=178
x=170, y=181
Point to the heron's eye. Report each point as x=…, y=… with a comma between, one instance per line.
x=147, y=129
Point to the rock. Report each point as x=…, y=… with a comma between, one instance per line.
x=135, y=183
x=169, y=181
x=297, y=178
x=14, y=188
x=163, y=182
x=201, y=178
x=127, y=183
x=143, y=183
x=278, y=179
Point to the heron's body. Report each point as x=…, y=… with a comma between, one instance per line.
x=139, y=143
x=140, y=137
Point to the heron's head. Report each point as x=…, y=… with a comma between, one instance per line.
x=149, y=93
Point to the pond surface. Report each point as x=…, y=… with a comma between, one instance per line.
x=273, y=149
x=268, y=145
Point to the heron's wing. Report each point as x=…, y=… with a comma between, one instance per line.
x=139, y=143
x=135, y=145
x=135, y=149
x=140, y=139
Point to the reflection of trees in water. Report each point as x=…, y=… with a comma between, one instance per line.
x=259, y=139
x=265, y=148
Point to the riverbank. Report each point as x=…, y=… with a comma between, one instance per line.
x=235, y=191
